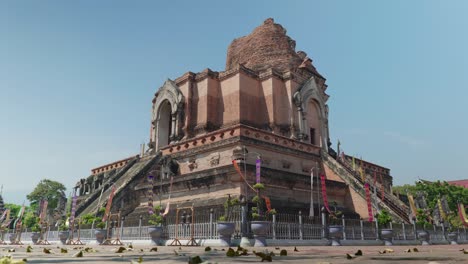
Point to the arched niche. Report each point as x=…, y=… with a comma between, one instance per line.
x=313, y=126
x=312, y=113
x=164, y=124
x=167, y=115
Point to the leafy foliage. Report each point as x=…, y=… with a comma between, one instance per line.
x=46, y=189
x=14, y=208
x=229, y=205
x=383, y=218
x=435, y=190
x=156, y=218
x=258, y=186
x=432, y=192
x=423, y=218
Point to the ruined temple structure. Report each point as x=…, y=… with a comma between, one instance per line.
x=270, y=102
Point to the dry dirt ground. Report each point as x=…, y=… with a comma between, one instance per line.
x=165, y=254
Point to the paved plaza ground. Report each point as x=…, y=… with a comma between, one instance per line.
x=307, y=254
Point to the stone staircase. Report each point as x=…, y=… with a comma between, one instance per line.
x=393, y=205
x=121, y=181
x=95, y=195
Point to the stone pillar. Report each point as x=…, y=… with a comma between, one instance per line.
x=172, y=135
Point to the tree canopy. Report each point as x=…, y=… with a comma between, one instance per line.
x=46, y=189
x=14, y=209
x=436, y=190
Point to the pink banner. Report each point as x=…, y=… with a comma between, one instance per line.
x=73, y=210
x=369, y=204
x=257, y=170
x=324, y=193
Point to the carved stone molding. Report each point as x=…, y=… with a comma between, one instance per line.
x=214, y=159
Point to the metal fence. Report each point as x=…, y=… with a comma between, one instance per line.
x=283, y=226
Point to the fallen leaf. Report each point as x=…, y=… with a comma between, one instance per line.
x=264, y=256
x=89, y=250
x=195, y=260
x=358, y=253
x=207, y=249
x=230, y=253
x=283, y=252
x=154, y=249
x=120, y=250
x=47, y=251
x=349, y=256
x=63, y=250
x=130, y=246
x=11, y=250
x=176, y=253
x=295, y=249
x=78, y=254
x=415, y=250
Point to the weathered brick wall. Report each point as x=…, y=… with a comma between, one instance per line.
x=267, y=46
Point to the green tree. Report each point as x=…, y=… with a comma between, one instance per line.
x=14, y=209
x=436, y=190
x=46, y=189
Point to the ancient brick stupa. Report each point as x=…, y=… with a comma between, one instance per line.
x=269, y=103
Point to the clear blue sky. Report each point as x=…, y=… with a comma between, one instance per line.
x=77, y=78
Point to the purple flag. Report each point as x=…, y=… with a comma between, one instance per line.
x=257, y=170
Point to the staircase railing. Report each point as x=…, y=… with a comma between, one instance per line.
x=106, y=185
x=388, y=200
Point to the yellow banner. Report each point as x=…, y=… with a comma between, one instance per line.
x=412, y=205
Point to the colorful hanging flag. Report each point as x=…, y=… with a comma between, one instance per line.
x=150, y=194
x=324, y=193
x=462, y=214
x=3, y=215
x=69, y=204
x=363, y=178
x=73, y=210
x=382, y=188
x=109, y=204
x=7, y=220
x=369, y=203
x=21, y=212
x=267, y=203
x=236, y=167
x=443, y=215
x=311, y=180
x=412, y=205
x=166, y=211
x=18, y=220
x=338, y=147
x=257, y=170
